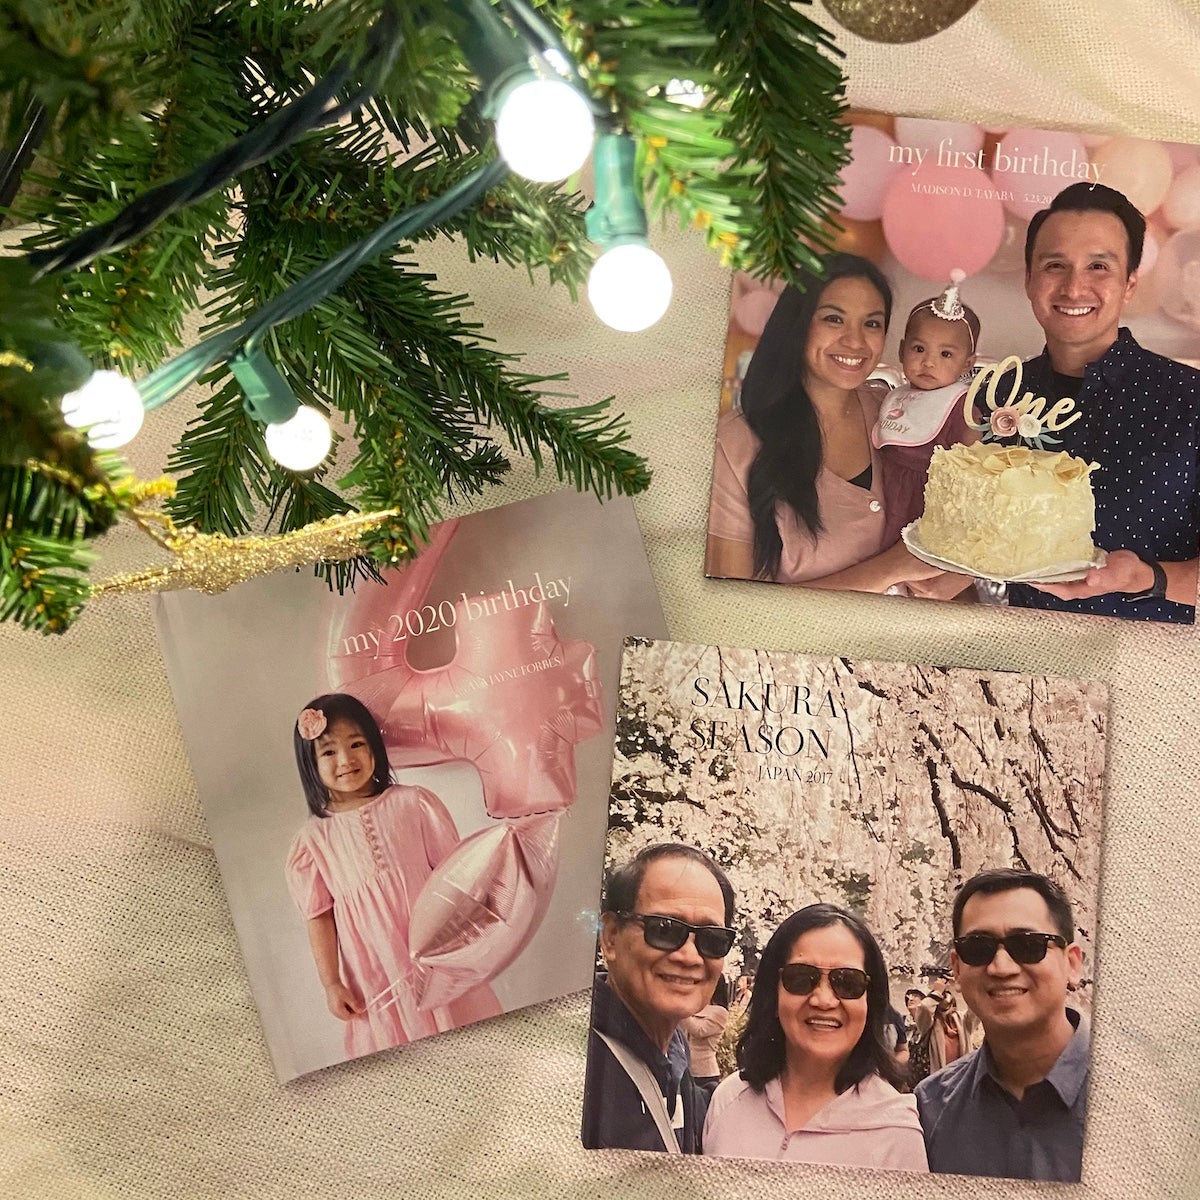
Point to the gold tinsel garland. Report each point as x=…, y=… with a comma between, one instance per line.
x=214, y=562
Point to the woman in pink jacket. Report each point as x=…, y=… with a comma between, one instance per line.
x=704, y=1032
x=817, y=1083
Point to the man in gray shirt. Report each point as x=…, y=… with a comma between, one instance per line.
x=1016, y=1106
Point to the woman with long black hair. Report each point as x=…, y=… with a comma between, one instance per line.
x=797, y=486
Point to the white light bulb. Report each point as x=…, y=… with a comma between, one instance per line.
x=684, y=91
x=629, y=287
x=301, y=442
x=108, y=406
x=545, y=130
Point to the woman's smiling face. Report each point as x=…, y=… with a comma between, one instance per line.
x=845, y=339
x=821, y=1025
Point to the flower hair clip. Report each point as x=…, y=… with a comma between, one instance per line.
x=311, y=724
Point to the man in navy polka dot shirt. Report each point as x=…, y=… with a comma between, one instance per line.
x=1140, y=412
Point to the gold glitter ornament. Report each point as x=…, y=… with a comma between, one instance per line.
x=214, y=562
x=897, y=20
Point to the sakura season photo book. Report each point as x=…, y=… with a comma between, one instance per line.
x=875, y=788
x=1040, y=468
x=406, y=785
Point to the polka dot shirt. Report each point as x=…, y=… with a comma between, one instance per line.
x=1141, y=423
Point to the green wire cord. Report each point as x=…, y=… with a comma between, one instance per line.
x=171, y=378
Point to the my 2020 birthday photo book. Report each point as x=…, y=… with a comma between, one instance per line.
x=406, y=785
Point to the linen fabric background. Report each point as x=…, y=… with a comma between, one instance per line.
x=131, y=1058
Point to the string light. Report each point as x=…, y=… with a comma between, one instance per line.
x=301, y=442
x=544, y=129
x=108, y=406
x=685, y=92
x=630, y=286
x=544, y=122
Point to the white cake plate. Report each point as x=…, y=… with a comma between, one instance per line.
x=1058, y=573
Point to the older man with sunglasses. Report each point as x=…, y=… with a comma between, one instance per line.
x=666, y=922
x=1016, y=1106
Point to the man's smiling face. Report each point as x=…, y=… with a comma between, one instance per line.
x=1078, y=283
x=1014, y=998
x=662, y=987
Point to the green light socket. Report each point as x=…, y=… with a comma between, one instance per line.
x=618, y=216
x=268, y=397
x=494, y=51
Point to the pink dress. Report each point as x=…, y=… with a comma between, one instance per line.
x=368, y=865
x=911, y=423
x=853, y=516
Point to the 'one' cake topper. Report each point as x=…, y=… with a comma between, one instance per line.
x=1027, y=418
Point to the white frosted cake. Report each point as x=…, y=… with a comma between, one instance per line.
x=1008, y=511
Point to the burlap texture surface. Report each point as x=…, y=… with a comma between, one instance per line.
x=131, y=1060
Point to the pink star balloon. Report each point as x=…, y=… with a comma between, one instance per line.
x=477, y=910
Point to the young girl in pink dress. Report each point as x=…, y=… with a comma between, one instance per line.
x=354, y=871
x=937, y=353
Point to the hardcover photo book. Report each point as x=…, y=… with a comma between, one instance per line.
x=406, y=785
x=936, y=417
x=782, y=970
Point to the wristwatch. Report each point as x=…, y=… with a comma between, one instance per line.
x=1158, y=585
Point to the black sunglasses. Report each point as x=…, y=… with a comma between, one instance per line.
x=669, y=933
x=846, y=983
x=978, y=949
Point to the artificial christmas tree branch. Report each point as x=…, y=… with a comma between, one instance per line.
x=433, y=410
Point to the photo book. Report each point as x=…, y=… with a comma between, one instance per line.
x=873, y=791
x=1074, y=380
x=405, y=785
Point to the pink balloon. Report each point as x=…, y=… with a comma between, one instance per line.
x=939, y=218
x=940, y=139
x=1181, y=208
x=1177, y=273
x=752, y=308
x=1151, y=245
x=1031, y=166
x=480, y=906
x=1182, y=155
x=1009, y=258
x=1140, y=169
x=866, y=176
x=513, y=700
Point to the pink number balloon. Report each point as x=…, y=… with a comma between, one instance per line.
x=514, y=700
